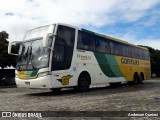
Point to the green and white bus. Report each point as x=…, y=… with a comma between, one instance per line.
x=60, y=55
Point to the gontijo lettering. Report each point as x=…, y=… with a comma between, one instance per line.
x=129, y=61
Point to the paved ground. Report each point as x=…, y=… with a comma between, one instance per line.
x=144, y=97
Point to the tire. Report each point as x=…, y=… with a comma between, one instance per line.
x=141, y=78
x=136, y=79
x=83, y=83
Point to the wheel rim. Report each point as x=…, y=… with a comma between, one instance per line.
x=82, y=82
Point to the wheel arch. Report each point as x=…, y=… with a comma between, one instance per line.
x=135, y=75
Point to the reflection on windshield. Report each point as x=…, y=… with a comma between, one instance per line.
x=32, y=55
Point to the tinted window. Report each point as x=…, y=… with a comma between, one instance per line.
x=66, y=34
x=86, y=41
x=140, y=53
x=63, y=48
x=146, y=55
x=116, y=48
x=58, y=58
x=102, y=45
x=92, y=42
x=58, y=54
x=136, y=53
x=126, y=51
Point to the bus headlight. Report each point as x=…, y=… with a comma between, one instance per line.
x=44, y=74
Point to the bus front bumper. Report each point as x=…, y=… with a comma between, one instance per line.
x=41, y=82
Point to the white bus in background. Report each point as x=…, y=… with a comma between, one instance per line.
x=59, y=55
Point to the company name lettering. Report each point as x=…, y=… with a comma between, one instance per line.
x=129, y=61
x=83, y=56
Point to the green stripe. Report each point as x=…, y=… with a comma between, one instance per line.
x=108, y=65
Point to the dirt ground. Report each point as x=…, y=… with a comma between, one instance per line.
x=143, y=97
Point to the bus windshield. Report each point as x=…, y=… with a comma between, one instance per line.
x=32, y=55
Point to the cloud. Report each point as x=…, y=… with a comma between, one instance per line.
x=21, y=15
x=131, y=37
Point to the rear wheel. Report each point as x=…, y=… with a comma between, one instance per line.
x=83, y=83
x=141, y=78
x=136, y=79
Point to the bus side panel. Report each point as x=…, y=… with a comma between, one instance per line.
x=129, y=66
x=108, y=68
x=85, y=61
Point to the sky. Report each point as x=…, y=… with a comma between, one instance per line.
x=135, y=21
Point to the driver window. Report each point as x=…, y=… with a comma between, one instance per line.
x=58, y=53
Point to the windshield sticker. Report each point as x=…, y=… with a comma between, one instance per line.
x=27, y=74
x=65, y=79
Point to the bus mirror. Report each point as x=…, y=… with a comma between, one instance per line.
x=13, y=48
x=46, y=39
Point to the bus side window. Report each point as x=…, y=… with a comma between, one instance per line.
x=82, y=41
x=86, y=41
x=116, y=48
x=130, y=51
x=102, y=45
x=99, y=45
x=67, y=34
x=124, y=50
x=92, y=40
x=133, y=52
x=146, y=55
x=119, y=49
x=111, y=46
x=140, y=54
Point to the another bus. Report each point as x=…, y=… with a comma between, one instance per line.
x=60, y=55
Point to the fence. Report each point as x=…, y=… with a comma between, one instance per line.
x=5, y=72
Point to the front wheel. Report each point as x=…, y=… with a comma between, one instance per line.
x=83, y=83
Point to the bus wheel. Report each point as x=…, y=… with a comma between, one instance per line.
x=141, y=78
x=136, y=78
x=83, y=82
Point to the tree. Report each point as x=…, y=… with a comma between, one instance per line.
x=5, y=59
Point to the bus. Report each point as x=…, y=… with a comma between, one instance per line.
x=59, y=56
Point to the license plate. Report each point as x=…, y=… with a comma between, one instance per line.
x=27, y=83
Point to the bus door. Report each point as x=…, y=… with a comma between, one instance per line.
x=62, y=55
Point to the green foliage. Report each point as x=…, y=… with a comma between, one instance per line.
x=5, y=59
